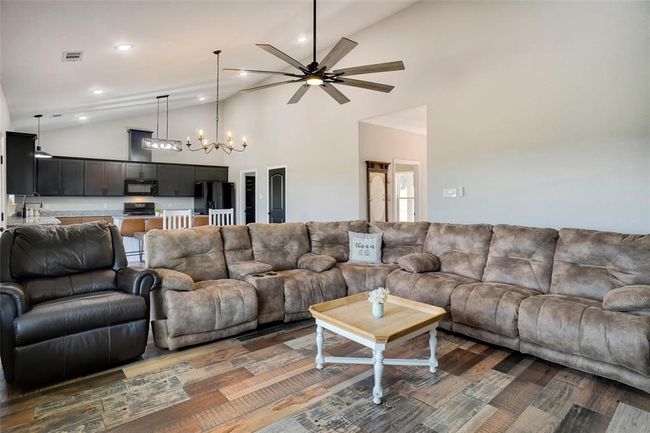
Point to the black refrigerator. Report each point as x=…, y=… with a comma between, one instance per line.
x=213, y=195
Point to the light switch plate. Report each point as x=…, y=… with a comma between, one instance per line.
x=450, y=192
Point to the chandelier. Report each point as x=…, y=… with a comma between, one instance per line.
x=228, y=146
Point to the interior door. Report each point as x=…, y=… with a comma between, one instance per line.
x=277, y=195
x=249, y=199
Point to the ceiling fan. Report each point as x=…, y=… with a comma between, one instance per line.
x=321, y=74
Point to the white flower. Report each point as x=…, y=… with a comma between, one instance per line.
x=378, y=295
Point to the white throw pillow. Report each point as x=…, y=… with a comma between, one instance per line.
x=365, y=247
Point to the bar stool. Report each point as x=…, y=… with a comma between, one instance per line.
x=133, y=228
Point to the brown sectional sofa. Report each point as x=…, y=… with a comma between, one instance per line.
x=576, y=297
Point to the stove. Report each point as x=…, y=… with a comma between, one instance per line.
x=147, y=208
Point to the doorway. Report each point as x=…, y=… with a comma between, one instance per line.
x=406, y=191
x=248, y=196
x=277, y=194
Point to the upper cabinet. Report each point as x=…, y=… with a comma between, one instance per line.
x=135, y=170
x=104, y=178
x=175, y=180
x=20, y=163
x=60, y=177
x=213, y=174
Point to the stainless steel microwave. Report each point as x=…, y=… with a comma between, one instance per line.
x=140, y=187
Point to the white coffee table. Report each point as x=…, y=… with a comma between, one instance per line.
x=351, y=317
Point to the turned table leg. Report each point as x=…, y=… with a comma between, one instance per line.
x=433, y=362
x=319, y=345
x=378, y=365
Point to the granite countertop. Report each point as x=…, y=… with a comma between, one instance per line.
x=16, y=221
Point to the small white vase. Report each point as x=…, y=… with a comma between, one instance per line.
x=378, y=310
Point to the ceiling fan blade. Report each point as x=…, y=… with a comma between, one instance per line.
x=299, y=93
x=335, y=93
x=366, y=85
x=257, y=71
x=371, y=69
x=340, y=50
x=279, y=83
x=280, y=55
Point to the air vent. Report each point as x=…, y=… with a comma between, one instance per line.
x=54, y=116
x=72, y=56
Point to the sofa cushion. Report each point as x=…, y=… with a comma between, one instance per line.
x=213, y=305
x=316, y=262
x=279, y=245
x=303, y=288
x=365, y=247
x=197, y=252
x=521, y=256
x=433, y=288
x=51, y=251
x=461, y=248
x=174, y=280
x=362, y=277
x=236, y=244
x=580, y=326
x=419, y=262
x=590, y=263
x=239, y=270
x=45, y=289
x=331, y=238
x=628, y=298
x=493, y=307
x=400, y=238
x=77, y=313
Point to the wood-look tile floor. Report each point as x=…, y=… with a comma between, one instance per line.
x=266, y=381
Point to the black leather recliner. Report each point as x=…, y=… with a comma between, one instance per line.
x=68, y=302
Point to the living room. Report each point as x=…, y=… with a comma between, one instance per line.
x=500, y=170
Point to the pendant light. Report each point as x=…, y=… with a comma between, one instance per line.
x=39, y=153
x=228, y=146
x=158, y=143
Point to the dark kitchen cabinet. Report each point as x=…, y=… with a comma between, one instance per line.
x=136, y=170
x=175, y=180
x=60, y=177
x=105, y=178
x=48, y=177
x=20, y=163
x=72, y=177
x=212, y=174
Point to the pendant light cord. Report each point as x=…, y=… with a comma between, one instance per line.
x=314, y=37
x=157, y=115
x=216, y=139
x=167, y=117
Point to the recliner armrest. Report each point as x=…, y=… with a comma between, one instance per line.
x=631, y=299
x=137, y=281
x=240, y=270
x=316, y=262
x=18, y=294
x=174, y=280
x=419, y=262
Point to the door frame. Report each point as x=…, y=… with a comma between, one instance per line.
x=286, y=193
x=242, y=193
x=395, y=191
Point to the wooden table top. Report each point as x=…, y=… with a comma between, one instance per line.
x=354, y=314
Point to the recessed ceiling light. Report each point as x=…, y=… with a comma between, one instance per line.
x=123, y=47
x=243, y=73
x=202, y=98
x=98, y=91
x=82, y=117
x=302, y=38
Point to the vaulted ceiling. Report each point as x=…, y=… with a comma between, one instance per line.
x=172, y=50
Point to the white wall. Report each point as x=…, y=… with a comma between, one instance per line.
x=5, y=125
x=538, y=109
x=380, y=143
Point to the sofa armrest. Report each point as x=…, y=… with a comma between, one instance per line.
x=240, y=270
x=137, y=281
x=316, y=262
x=18, y=295
x=174, y=280
x=630, y=299
x=419, y=262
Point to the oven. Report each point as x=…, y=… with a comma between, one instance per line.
x=140, y=187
